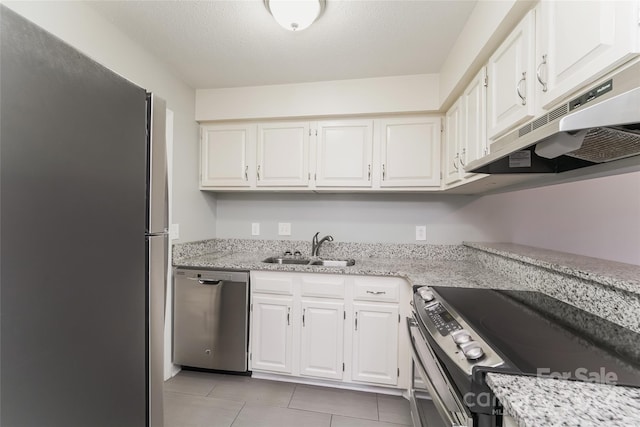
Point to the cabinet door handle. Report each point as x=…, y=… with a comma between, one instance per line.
x=304, y=310
x=455, y=166
x=258, y=172
x=288, y=316
x=369, y=172
x=376, y=292
x=246, y=173
x=464, y=154
x=356, y=319
x=523, y=79
x=543, y=83
x=384, y=172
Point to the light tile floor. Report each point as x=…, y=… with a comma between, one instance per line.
x=200, y=399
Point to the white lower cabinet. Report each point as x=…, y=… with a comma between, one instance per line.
x=327, y=326
x=271, y=338
x=322, y=339
x=375, y=343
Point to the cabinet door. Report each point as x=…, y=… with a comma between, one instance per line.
x=473, y=138
x=375, y=343
x=283, y=154
x=410, y=152
x=344, y=151
x=322, y=337
x=580, y=41
x=271, y=339
x=511, y=80
x=451, y=158
x=225, y=155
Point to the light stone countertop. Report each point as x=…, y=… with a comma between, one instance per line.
x=538, y=402
x=422, y=272
x=609, y=273
x=531, y=401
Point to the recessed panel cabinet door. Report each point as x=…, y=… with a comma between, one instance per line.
x=375, y=343
x=581, y=40
x=473, y=138
x=511, y=80
x=225, y=155
x=283, y=154
x=451, y=158
x=271, y=340
x=344, y=152
x=322, y=338
x=410, y=152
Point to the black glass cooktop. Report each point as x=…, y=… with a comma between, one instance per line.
x=538, y=334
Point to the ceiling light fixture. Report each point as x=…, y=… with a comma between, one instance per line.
x=295, y=15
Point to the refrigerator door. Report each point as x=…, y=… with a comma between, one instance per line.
x=158, y=247
x=73, y=210
x=158, y=185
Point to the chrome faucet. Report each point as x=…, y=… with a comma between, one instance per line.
x=315, y=244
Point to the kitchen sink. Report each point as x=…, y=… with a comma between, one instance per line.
x=314, y=261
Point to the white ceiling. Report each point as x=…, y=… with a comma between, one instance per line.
x=213, y=44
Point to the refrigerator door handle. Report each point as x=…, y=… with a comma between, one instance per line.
x=157, y=169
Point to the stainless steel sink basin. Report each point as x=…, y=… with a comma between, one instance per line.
x=334, y=262
x=307, y=261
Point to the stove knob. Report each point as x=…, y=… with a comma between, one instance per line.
x=473, y=353
x=461, y=337
x=426, y=295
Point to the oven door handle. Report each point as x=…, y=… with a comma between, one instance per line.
x=446, y=405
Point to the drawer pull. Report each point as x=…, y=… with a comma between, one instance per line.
x=376, y=292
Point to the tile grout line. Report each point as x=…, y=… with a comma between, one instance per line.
x=295, y=387
x=238, y=414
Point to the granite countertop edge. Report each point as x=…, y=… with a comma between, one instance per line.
x=541, y=402
x=608, y=273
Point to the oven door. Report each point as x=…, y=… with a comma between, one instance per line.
x=430, y=375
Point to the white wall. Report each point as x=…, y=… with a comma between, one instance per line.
x=78, y=25
x=596, y=217
x=399, y=94
x=389, y=218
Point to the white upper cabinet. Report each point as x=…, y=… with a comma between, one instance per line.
x=474, y=119
x=511, y=75
x=226, y=155
x=465, y=131
x=283, y=154
x=410, y=152
x=344, y=153
x=453, y=134
x=579, y=41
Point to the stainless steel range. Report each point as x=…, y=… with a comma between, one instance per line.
x=460, y=334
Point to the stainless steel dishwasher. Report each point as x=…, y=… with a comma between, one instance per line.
x=210, y=319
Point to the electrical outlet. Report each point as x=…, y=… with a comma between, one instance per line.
x=255, y=228
x=174, y=231
x=421, y=232
x=284, y=228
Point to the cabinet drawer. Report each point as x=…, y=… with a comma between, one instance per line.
x=272, y=283
x=377, y=289
x=323, y=286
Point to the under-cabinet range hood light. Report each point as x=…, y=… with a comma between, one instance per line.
x=600, y=125
x=295, y=15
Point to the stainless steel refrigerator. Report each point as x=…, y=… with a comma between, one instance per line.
x=83, y=238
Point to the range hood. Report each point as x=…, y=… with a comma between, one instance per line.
x=601, y=125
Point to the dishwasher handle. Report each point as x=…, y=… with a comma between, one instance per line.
x=207, y=281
